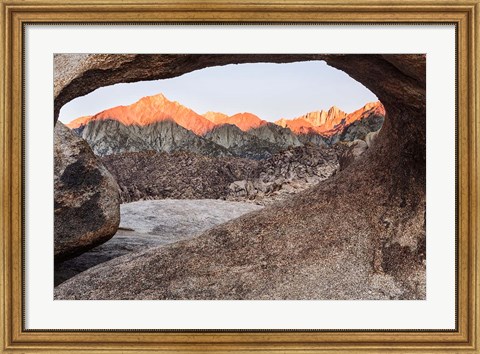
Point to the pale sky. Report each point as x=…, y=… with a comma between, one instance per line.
x=271, y=91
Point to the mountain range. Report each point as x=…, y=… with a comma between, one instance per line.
x=156, y=123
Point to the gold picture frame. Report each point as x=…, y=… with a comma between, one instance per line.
x=464, y=14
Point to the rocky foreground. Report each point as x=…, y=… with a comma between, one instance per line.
x=185, y=175
x=358, y=235
x=179, y=175
x=152, y=223
x=271, y=254
x=287, y=173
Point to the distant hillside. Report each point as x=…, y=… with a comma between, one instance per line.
x=158, y=124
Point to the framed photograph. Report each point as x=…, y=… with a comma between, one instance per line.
x=240, y=177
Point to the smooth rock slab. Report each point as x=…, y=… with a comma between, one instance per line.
x=176, y=219
x=155, y=223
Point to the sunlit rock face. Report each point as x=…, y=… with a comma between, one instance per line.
x=149, y=110
x=158, y=124
x=331, y=122
x=357, y=235
x=246, y=121
x=216, y=117
x=87, y=201
x=363, y=121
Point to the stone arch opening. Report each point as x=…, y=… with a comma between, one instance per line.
x=390, y=184
x=252, y=111
x=397, y=80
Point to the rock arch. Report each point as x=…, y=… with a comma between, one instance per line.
x=359, y=235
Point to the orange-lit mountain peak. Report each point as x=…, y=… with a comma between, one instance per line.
x=329, y=122
x=298, y=125
x=319, y=122
x=76, y=123
x=157, y=108
x=152, y=109
x=369, y=108
x=316, y=118
x=158, y=100
x=371, y=105
x=282, y=122
x=335, y=109
x=377, y=107
x=216, y=117
x=246, y=121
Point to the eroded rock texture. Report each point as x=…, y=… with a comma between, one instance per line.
x=184, y=175
x=87, y=204
x=180, y=175
x=286, y=173
x=355, y=149
x=358, y=235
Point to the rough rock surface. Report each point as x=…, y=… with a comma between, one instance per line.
x=107, y=137
x=180, y=175
x=276, y=134
x=354, y=150
x=87, y=202
x=147, y=224
x=287, y=173
x=360, y=129
x=358, y=235
x=371, y=137
x=242, y=144
x=183, y=175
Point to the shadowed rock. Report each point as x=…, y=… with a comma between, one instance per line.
x=152, y=223
x=354, y=151
x=86, y=197
x=185, y=175
x=358, y=235
x=107, y=137
x=285, y=173
x=179, y=175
